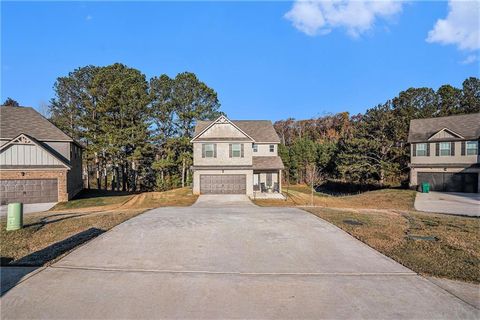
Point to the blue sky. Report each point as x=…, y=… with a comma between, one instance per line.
x=266, y=60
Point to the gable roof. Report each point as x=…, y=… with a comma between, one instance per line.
x=222, y=120
x=258, y=130
x=26, y=139
x=467, y=126
x=17, y=120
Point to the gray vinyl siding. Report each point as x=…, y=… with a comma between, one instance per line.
x=62, y=148
x=75, y=174
x=26, y=154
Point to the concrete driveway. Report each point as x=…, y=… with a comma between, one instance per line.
x=29, y=208
x=465, y=204
x=234, y=262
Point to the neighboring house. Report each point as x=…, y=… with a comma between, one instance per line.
x=444, y=153
x=236, y=157
x=38, y=162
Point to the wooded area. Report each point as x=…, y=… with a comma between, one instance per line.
x=368, y=148
x=137, y=133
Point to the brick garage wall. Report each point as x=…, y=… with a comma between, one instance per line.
x=60, y=175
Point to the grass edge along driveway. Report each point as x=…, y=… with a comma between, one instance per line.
x=431, y=244
x=47, y=236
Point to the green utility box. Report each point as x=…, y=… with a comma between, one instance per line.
x=15, y=216
x=425, y=187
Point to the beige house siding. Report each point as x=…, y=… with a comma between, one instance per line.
x=223, y=156
x=264, y=150
x=247, y=173
x=223, y=130
x=433, y=159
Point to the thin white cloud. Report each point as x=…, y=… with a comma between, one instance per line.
x=460, y=27
x=470, y=59
x=89, y=17
x=356, y=17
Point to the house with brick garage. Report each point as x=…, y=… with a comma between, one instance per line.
x=444, y=152
x=38, y=161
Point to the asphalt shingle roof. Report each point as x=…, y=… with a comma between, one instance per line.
x=259, y=130
x=468, y=126
x=17, y=120
x=267, y=163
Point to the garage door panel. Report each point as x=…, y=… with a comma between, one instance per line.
x=223, y=184
x=450, y=182
x=29, y=190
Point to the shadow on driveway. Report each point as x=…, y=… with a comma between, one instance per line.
x=13, y=271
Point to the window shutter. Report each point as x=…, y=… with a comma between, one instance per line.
x=230, y=150
x=452, y=148
x=463, y=148
x=428, y=149
x=203, y=150
x=241, y=150
x=437, y=149
x=215, y=150
x=414, y=149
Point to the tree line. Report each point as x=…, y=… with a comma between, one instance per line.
x=136, y=132
x=369, y=148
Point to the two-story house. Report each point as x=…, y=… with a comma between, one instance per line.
x=444, y=153
x=236, y=157
x=38, y=162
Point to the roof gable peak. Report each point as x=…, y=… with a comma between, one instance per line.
x=443, y=132
x=221, y=120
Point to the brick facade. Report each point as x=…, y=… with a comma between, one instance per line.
x=60, y=175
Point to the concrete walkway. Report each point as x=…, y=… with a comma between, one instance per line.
x=235, y=262
x=465, y=204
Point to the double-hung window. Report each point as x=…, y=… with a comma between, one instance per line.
x=236, y=150
x=209, y=150
x=472, y=147
x=255, y=147
x=445, y=148
x=272, y=148
x=421, y=149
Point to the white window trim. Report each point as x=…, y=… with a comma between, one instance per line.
x=255, y=147
x=442, y=149
x=423, y=149
x=271, y=148
x=207, y=145
x=470, y=143
x=234, y=150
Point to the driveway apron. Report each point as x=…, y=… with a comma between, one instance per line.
x=218, y=260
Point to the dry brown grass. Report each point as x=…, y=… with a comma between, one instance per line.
x=299, y=195
x=454, y=255
x=48, y=235
x=181, y=197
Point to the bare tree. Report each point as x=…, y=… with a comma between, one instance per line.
x=313, y=176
